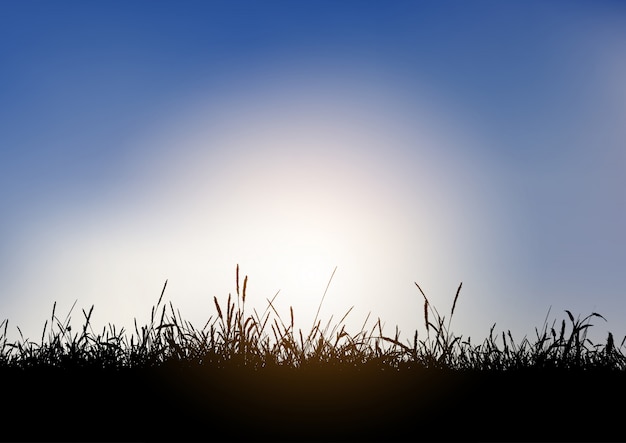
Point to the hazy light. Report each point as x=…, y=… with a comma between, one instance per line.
x=289, y=180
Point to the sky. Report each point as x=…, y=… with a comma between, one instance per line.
x=435, y=142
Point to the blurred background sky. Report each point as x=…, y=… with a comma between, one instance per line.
x=404, y=141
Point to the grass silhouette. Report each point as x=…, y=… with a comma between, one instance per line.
x=252, y=377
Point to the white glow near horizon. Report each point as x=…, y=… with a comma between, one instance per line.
x=288, y=184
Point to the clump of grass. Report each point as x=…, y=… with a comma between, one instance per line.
x=235, y=337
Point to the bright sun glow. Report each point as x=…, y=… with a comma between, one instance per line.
x=289, y=185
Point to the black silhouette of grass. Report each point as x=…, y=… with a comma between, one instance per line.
x=250, y=376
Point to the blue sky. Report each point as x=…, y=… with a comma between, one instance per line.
x=435, y=142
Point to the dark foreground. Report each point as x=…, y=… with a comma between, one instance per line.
x=323, y=404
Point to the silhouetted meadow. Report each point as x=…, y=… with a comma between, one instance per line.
x=246, y=376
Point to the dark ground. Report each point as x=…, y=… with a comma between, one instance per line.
x=201, y=404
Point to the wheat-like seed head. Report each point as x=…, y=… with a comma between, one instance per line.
x=237, y=278
x=219, y=311
x=245, y=285
x=455, y=298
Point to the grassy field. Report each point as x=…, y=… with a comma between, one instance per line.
x=253, y=377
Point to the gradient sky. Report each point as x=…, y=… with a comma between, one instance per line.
x=436, y=142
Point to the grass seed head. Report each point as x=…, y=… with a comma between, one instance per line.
x=455, y=299
x=219, y=311
x=245, y=284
